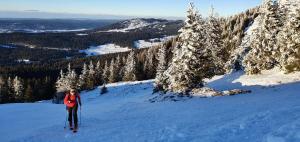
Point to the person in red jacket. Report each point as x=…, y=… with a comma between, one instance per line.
x=72, y=99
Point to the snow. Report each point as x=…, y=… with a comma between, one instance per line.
x=6, y=46
x=82, y=34
x=132, y=24
x=151, y=42
x=104, y=49
x=268, y=114
x=269, y=77
x=42, y=31
x=24, y=61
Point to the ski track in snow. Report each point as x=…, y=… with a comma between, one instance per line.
x=124, y=114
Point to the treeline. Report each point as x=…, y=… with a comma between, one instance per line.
x=41, y=79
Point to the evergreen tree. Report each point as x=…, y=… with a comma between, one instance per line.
x=113, y=72
x=29, y=94
x=264, y=43
x=214, y=41
x=2, y=90
x=67, y=81
x=130, y=68
x=160, y=79
x=289, y=41
x=61, y=83
x=149, y=68
x=10, y=90
x=106, y=73
x=91, y=76
x=98, y=74
x=190, y=61
x=18, y=89
x=82, y=82
x=118, y=66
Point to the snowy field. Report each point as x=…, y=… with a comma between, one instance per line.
x=104, y=49
x=151, y=42
x=271, y=113
x=132, y=24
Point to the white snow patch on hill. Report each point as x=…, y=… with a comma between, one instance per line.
x=6, y=46
x=132, y=24
x=268, y=78
x=104, y=49
x=268, y=114
x=151, y=42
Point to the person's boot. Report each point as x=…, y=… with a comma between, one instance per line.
x=71, y=126
x=75, y=128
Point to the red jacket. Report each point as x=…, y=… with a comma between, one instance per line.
x=72, y=100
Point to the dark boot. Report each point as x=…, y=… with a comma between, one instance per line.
x=75, y=128
x=70, y=125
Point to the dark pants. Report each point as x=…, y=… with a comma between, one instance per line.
x=73, y=115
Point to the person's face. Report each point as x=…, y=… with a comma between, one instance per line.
x=72, y=92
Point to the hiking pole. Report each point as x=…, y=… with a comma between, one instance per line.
x=66, y=120
x=80, y=116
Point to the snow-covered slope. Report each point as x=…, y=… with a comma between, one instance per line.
x=151, y=42
x=104, y=49
x=140, y=23
x=124, y=114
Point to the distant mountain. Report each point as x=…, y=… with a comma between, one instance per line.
x=50, y=25
x=140, y=24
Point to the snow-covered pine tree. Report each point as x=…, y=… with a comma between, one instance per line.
x=118, y=68
x=91, y=76
x=18, y=89
x=106, y=73
x=264, y=47
x=71, y=79
x=122, y=67
x=130, y=71
x=160, y=79
x=82, y=81
x=149, y=68
x=61, y=82
x=113, y=72
x=10, y=90
x=2, y=90
x=191, y=61
x=214, y=41
x=67, y=81
x=289, y=41
x=28, y=94
x=98, y=74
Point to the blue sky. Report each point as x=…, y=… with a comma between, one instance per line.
x=150, y=8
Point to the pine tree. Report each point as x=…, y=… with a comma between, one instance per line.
x=18, y=89
x=29, y=94
x=149, y=68
x=130, y=68
x=91, y=76
x=106, y=73
x=2, y=90
x=289, y=41
x=190, y=63
x=60, y=83
x=214, y=41
x=118, y=67
x=82, y=82
x=264, y=49
x=160, y=79
x=67, y=81
x=10, y=90
x=98, y=74
x=113, y=72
